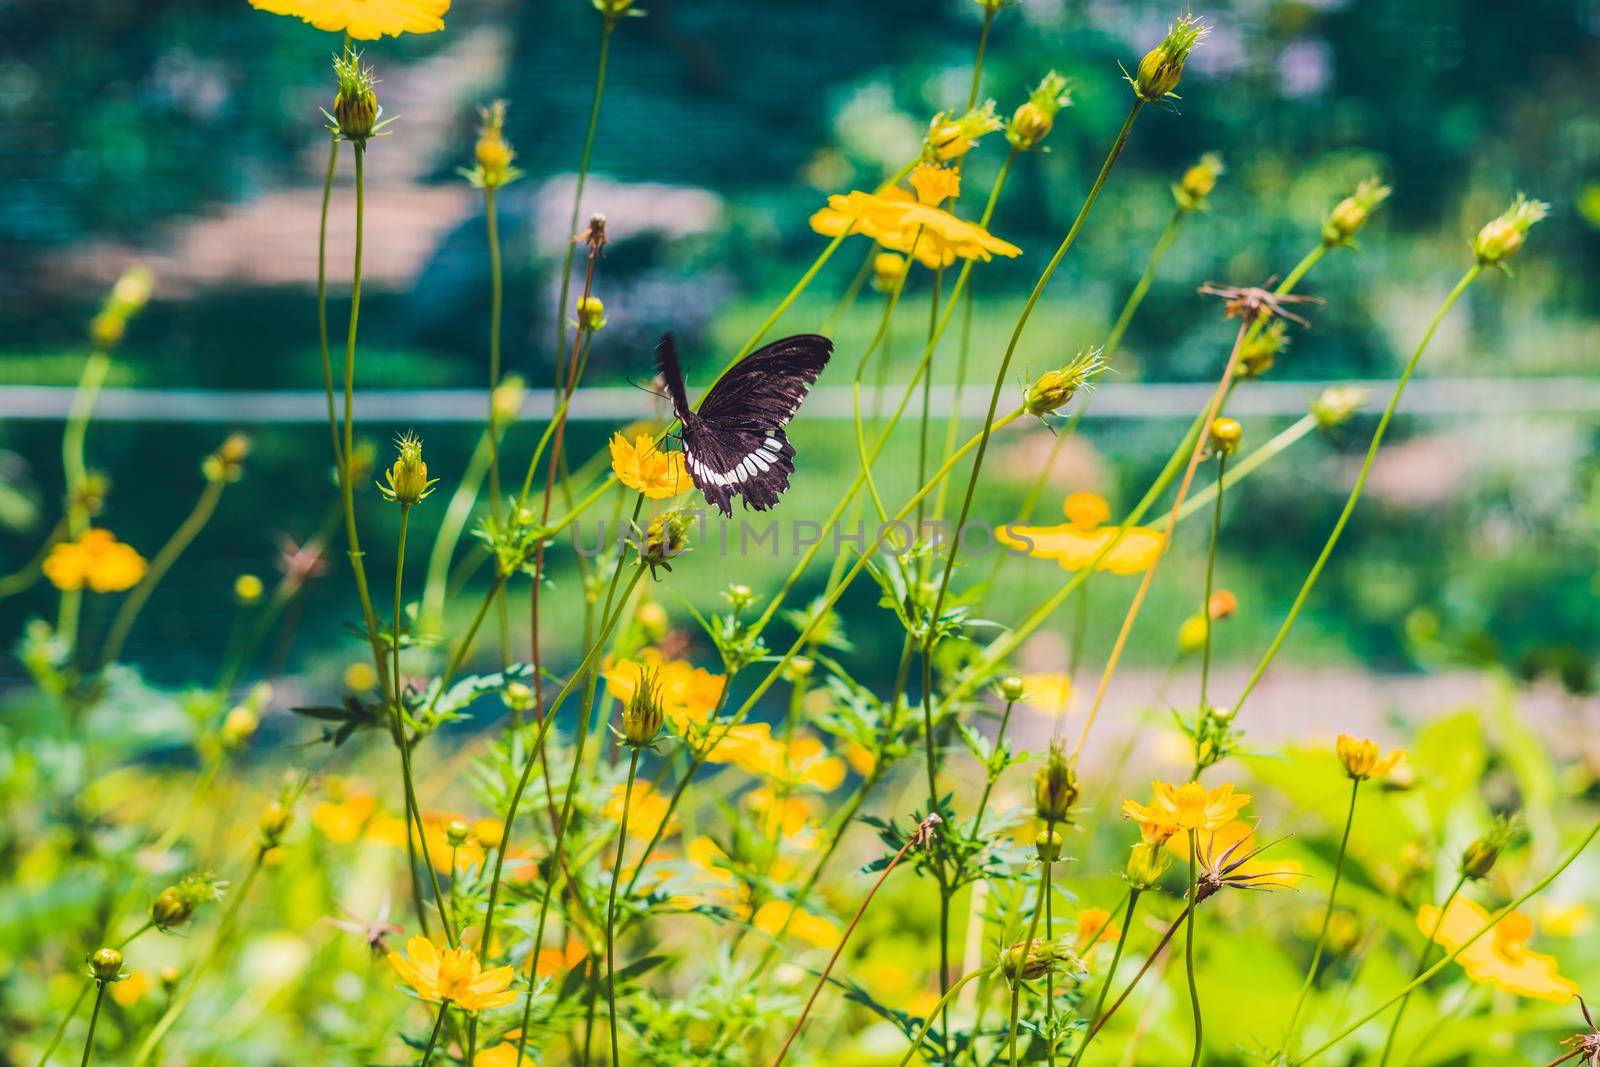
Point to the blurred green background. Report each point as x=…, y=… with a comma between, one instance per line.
x=187, y=135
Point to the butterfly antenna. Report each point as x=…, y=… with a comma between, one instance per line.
x=647, y=389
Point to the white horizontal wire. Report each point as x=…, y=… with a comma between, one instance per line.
x=1113, y=400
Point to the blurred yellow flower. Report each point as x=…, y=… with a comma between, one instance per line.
x=365, y=20
x=1048, y=693
x=1361, y=760
x=342, y=821
x=1181, y=808
x=553, y=961
x=786, y=816
x=812, y=929
x=454, y=975
x=689, y=694
x=647, y=811
x=1094, y=925
x=96, y=560
x=360, y=676
x=1084, y=536
x=1566, y=920
x=645, y=467
x=1501, y=957
x=131, y=989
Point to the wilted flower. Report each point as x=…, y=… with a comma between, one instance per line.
x=1162, y=67
x=454, y=976
x=1586, y=1046
x=1352, y=213
x=949, y=136
x=1033, y=120
x=96, y=560
x=1194, y=189
x=374, y=932
x=408, y=477
x=1252, y=303
x=1500, y=238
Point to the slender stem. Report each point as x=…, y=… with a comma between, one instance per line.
x=1142, y=287
x=1211, y=580
x=322, y=297
x=1361, y=481
x=1111, y=974
x=433, y=1038
x=1327, y=920
x=491, y=221
x=992, y=777
x=977, y=64
x=95, y=369
x=180, y=540
x=838, y=950
x=611, y=909
x=1027, y=947
x=1188, y=949
x=1144, y=968
x=1422, y=964
x=94, y=1017
x=1526, y=895
x=608, y=25
x=938, y=1009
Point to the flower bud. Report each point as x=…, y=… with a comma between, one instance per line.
x=653, y=620
x=1047, y=845
x=1162, y=67
x=1147, y=862
x=226, y=464
x=1192, y=634
x=1481, y=856
x=798, y=669
x=505, y=403
x=1260, y=348
x=275, y=822
x=642, y=716
x=238, y=725
x=517, y=697
x=106, y=965
x=1226, y=434
x=888, y=268
x=1336, y=404
x=1055, y=787
x=950, y=137
x=493, y=155
x=170, y=976
x=355, y=106
x=456, y=833
x=1194, y=188
x=171, y=908
x=665, y=538
x=1222, y=604
x=1054, y=389
x=1028, y=961
x=1501, y=238
x=408, y=478
x=1011, y=689
x=1352, y=213
x=247, y=589
x=614, y=9
x=1033, y=120
x=591, y=313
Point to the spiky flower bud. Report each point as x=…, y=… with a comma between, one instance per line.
x=1336, y=404
x=1047, y=845
x=1352, y=213
x=1481, y=856
x=1054, y=389
x=798, y=669
x=226, y=464
x=949, y=136
x=1028, y=961
x=1011, y=688
x=275, y=822
x=170, y=908
x=1147, y=862
x=1226, y=434
x=1034, y=118
x=505, y=403
x=666, y=537
x=355, y=105
x=493, y=154
x=1194, y=188
x=408, y=478
x=1501, y=238
x=643, y=715
x=105, y=965
x=591, y=313
x=1162, y=67
x=238, y=725
x=1055, y=787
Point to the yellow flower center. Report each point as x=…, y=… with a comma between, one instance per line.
x=934, y=184
x=1086, y=510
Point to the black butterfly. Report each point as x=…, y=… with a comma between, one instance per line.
x=734, y=444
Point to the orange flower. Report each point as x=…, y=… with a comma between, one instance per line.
x=785, y=815
x=342, y=821
x=454, y=976
x=97, y=560
x=1083, y=537
x=1181, y=808
x=553, y=961
x=365, y=20
x=1094, y=926
x=642, y=465
x=1501, y=957
x=1360, y=758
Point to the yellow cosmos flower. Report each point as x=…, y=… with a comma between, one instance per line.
x=96, y=560
x=1361, y=760
x=131, y=989
x=454, y=975
x=1075, y=544
x=1181, y=808
x=895, y=220
x=788, y=816
x=832, y=222
x=1236, y=840
x=812, y=929
x=1049, y=693
x=689, y=694
x=1501, y=957
x=746, y=745
x=365, y=20
x=804, y=763
x=647, y=811
x=645, y=467
x=549, y=962
x=342, y=821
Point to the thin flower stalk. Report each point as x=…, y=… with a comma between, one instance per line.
x=94, y=1018
x=433, y=1036
x=1027, y=943
x=1111, y=974
x=608, y=25
x=1188, y=950
x=1422, y=965
x=938, y=1010
x=611, y=909
x=1327, y=920
x=1211, y=583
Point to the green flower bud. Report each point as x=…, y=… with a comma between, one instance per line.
x=1336, y=404
x=1162, y=67
x=355, y=106
x=1146, y=864
x=456, y=833
x=408, y=478
x=1033, y=120
x=642, y=716
x=1011, y=689
x=1352, y=213
x=1193, y=189
x=1055, y=787
x=1047, y=845
x=1501, y=238
x=1226, y=434
x=1054, y=389
x=106, y=965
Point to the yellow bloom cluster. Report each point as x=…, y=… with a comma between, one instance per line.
x=96, y=560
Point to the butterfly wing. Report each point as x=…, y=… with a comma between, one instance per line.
x=671, y=373
x=734, y=444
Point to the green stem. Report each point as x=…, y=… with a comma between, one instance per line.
x=1327, y=920
x=1188, y=949
x=322, y=299
x=83, y=992
x=938, y=1009
x=608, y=25
x=1027, y=947
x=1141, y=288
x=977, y=64
x=1422, y=964
x=1111, y=974
x=611, y=910
x=1528, y=894
x=94, y=1017
x=496, y=301
x=90, y=383
x=1211, y=579
x=175, y=546
x=1361, y=481
x=433, y=1038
